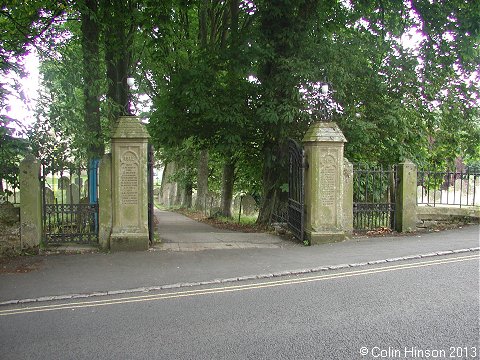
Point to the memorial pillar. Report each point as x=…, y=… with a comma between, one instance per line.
x=324, y=183
x=129, y=186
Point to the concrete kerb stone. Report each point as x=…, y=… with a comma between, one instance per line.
x=231, y=280
x=375, y=262
x=337, y=267
x=428, y=255
x=460, y=251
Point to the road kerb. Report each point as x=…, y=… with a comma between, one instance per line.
x=231, y=280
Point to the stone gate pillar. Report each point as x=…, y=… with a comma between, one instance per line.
x=30, y=203
x=129, y=186
x=406, y=198
x=324, y=183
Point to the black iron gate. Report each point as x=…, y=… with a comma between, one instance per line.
x=296, y=192
x=70, y=203
x=374, y=189
x=150, y=164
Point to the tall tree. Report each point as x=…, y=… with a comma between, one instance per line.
x=283, y=27
x=119, y=27
x=23, y=25
x=92, y=76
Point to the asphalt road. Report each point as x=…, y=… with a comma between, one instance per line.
x=419, y=309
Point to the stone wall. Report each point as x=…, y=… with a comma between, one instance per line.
x=430, y=217
x=9, y=229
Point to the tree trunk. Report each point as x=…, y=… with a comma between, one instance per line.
x=187, y=196
x=227, y=187
x=202, y=180
x=118, y=53
x=91, y=75
x=168, y=188
x=275, y=174
x=284, y=25
x=178, y=195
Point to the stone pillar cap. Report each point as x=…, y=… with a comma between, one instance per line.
x=324, y=132
x=130, y=127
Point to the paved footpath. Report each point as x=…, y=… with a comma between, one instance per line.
x=50, y=277
x=180, y=233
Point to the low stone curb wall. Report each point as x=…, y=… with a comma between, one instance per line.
x=234, y=279
x=433, y=216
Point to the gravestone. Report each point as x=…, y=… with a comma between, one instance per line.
x=73, y=194
x=129, y=186
x=435, y=196
x=63, y=182
x=169, y=187
x=49, y=196
x=324, y=183
x=249, y=205
x=236, y=203
x=79, y=181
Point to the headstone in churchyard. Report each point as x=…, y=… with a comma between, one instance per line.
x=73, y=194
x=435, y=196
x=49, y=196
x=236, y=203
x=79, y=181
x=249, y=205
x=63, y=182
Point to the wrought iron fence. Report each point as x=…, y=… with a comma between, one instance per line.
x=70, y=203
x=10, y=192
x=296, y=190
x=280, y=215
x=448, y=188
x=291, y=213
x=374, y=196
x=151, y=200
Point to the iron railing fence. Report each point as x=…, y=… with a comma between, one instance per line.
x=296, y=190
x=448, y=188
x=10, y=192
x=374, y=189
x=150, y=195
x=70, y=203
x=280, y=215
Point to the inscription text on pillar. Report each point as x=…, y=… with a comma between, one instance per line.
x=328, y=188
x=129, y=178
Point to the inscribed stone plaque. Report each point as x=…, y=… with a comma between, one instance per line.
x=129, y=179
x=328, y=187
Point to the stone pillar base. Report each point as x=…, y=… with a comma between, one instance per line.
x=316, y=238
x=129, y=242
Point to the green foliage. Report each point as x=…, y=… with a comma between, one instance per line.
x=241, y=77
x=12, y=150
